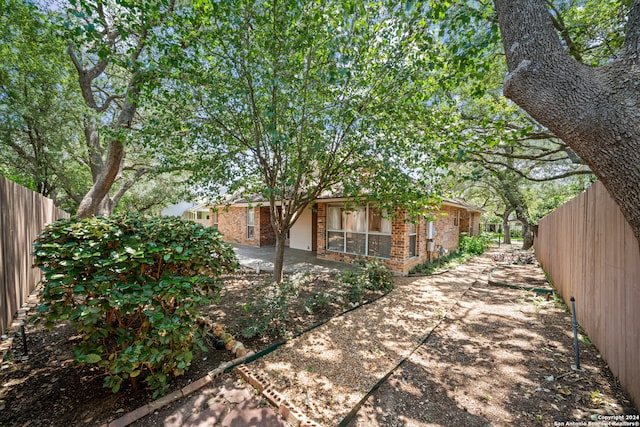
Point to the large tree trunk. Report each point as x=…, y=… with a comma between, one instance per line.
x=527, y=236
x=93, y=201
x=105, y=173
x=505, y=225
x=278, y=263
x=595, y=111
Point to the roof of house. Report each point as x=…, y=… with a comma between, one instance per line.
x=327, y=196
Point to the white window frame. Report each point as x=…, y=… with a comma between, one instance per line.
x=251, y=226
x=344, y=231
x=413, y=231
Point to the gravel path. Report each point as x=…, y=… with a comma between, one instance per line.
x=501, y=357
x=326, y=372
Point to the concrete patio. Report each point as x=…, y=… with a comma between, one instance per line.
x=295, y=260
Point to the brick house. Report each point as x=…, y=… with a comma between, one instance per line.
x=340, y=231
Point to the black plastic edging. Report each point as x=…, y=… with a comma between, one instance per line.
x=522, y=288
x=278, y=344
x=349, y=417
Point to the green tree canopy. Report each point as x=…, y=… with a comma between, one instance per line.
x=300, y=98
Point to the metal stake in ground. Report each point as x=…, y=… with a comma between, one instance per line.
x=24, y=339
x=575, y=334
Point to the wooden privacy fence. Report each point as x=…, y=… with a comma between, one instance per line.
x=590, y=252
x=23, y=214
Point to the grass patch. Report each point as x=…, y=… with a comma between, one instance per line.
x=469, y=246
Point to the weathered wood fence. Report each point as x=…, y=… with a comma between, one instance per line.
x=23, y=214
x=590, y=252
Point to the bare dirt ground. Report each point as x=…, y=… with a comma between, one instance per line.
x=502, y=357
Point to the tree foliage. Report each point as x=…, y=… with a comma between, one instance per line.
x=301, y=98
x=40, y=109
x=121, y=50
x=591, y=106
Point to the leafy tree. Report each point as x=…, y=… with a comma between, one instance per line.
x=40, y=115
x=299, y=98
x=153, y=192
x=120, y=50
x=592, y=108
x=496, y=143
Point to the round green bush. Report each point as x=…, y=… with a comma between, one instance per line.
x=132, y=287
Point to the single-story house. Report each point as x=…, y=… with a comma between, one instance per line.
x=198, y=212
x=337, y=230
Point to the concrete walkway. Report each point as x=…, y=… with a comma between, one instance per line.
x=295, y=260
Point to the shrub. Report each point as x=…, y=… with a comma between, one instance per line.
x=370, y=275
x=450, y=260
x=475, y=245
x=132, y=287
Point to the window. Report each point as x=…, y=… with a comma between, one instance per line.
x=456, y=218
x=413, y=240
x=379, y=239
x=356, y=230
x=335, y=228
x=214, y=222
x=203, y=215
x=250, y=223
x=362, y=230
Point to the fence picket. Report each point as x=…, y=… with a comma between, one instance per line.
x=589, y=251
x=23, y=214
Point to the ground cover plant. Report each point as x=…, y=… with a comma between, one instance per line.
x=273, y=305
x=45, y=387
x=132, y=288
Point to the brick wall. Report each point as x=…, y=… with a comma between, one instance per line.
x=465, y=219
x=232, y=223
x=477, y=218
x=470, y=222
x=321, y=250
x=264, y=230
x=446, y=231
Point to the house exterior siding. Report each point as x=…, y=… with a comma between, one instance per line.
x=232, y=223
x=447, y=229
x=470, y=223
x=449, y=221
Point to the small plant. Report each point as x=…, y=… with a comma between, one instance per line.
x=319, y=300
x=354, y=285
x=269, y=310
x=132, y=287
x=369, y=276
x=447, y=261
